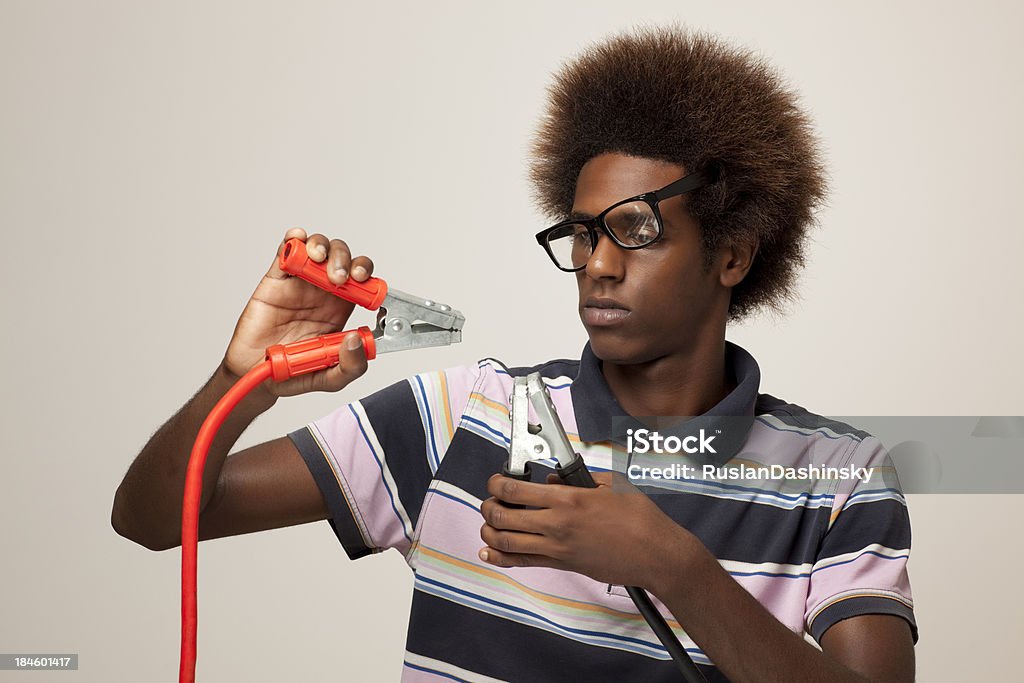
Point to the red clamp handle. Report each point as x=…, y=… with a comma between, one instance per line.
x=295, y=261
x=310, y=355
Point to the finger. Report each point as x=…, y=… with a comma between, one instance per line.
x=608, y=479
x=339, y=262
x=510, y=490
x=295, y=232
x=275, y=268
x=362, y=268
x=317, y=247
x=501, y=516
x=516, y=542
x=500, y=559
x=351, y=364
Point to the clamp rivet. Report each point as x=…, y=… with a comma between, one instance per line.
x=538, y=448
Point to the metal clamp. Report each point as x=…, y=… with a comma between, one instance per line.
x=412, y=322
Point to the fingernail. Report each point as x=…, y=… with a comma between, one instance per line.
x=317, y=252
x=359, y=272
x=484, y=555
x=342, y=273
x=353, y=342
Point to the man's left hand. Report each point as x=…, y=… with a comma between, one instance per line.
x=613, y=533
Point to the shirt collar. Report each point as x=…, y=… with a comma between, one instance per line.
x=599, y=417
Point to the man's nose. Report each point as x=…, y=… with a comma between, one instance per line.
x=607, y=261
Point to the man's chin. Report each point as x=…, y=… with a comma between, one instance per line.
x=618, y=350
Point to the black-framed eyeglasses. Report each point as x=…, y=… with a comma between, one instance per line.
x=632, y=223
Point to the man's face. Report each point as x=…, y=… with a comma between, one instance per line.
x=641, y=305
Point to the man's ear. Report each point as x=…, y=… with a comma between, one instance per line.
x=735, y=260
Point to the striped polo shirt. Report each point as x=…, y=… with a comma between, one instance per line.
x=407, y=468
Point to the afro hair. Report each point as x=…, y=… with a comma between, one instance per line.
x=685, y=97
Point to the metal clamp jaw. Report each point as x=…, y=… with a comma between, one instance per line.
x=546, y=439
x=412, y=322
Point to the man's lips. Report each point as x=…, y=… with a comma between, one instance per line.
x=601, y=312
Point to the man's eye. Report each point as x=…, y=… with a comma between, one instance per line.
x=634, y=223
x=642, y=231
x=581, y=238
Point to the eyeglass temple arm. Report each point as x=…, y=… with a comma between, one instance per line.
x=685, y=184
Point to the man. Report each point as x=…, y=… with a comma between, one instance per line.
x=683, y=179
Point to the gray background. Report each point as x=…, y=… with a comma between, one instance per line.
x=152, y=154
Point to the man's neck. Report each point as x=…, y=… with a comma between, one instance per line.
x=684, y=384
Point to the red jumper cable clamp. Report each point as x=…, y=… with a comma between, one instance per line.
x=409, y=322
x=406, y=322
x=547, y=440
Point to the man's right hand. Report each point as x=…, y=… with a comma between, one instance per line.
x=285, y=309
x=267, y=486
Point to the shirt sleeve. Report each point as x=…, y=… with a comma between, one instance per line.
x=861, y=566
x=373, y=459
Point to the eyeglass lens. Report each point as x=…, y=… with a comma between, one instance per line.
x=632, y=224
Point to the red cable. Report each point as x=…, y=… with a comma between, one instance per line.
x=190, y=512
x=283, y=362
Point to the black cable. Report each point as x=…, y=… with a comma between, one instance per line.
x=577, y=474
x=691, y=674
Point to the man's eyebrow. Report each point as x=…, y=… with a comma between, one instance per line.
x=580, y=214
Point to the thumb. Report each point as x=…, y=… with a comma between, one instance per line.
x=351, y=363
